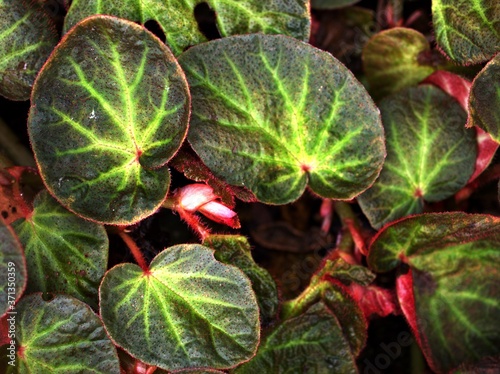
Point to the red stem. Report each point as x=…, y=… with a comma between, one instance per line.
x=136, y=252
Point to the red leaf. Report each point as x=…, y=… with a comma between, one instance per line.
x=374, y=300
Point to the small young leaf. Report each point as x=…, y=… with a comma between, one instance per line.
x=484, y=99
x=235, y=250
x=177, y=21
x=394, y=59
x=26, y=40
x=62, y=335
x=429, y=156
x=109, y=109
x=468, y=31
x=313, y=342
x=273, y=114
x=454, y=309
x=64, y=252
x=188, y=311
x=12, y=268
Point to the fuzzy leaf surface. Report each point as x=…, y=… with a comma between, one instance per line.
x=393, y=59
x=177, y=21
x=301, y=345
x=454, y=260
x=62, y=335
x=64, y=253
x=190, y=311
x=109, y=109
x=12, y=268
x=429, y=156
x=484, y=99
x=332, y=4
x=274, y=115
x=467, y=30
x=26, y=40
x=235, y=250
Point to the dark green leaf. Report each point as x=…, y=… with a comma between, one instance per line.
x=349, y=314
x=235, y=250
x=394, y=59
x=273, y=114
x=454, y=260
x=430, y=156
x=12, y=268
x=484, y=99
x=177, y=21
x=468, y=31
x=109, y=109
x=26, y=40
x=64, y=252
x=310, y=343
x=188, y=311
x=62, y=335
x=331, y=4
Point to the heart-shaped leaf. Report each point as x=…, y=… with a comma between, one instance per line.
x=429, y=156
x=468, y=31
x=454, y=260
x=64, y=252
x=235, y=250
x=459, y=88
x=273, y=114
x=12, y=268
x=187, y=311
x=178, y=23
x=484, y=99
x=109, y=109
x=62, y=335
x=394, y=59
x=26, y=39
x=309, y=343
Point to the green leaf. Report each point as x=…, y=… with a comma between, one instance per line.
x=430, y=156
x=12, y=268
x=468, y=31
x=177, y=21
x=454, y=260
x=26, y=39
x=64, y=253
x=235, y=250
x=396, y=58
x=310, y=343
x=350, y=316
x=62, y=335
x=332, y=4
x=275, y=114
x=188, y=311
x=109, y=109
x=484, y=99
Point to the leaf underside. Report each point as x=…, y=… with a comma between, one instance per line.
x=178, y=23
x=467, y=30
x=64, y=253
x=454, y=260
x=274, y=114
x=429, y=156
x=109, y=109
x=190, y=311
